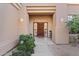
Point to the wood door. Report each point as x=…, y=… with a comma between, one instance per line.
x=40, y=29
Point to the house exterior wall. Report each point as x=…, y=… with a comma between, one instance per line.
x=40, y=4
x=41, y=18
x=11, y=27
x=61, y=32
x=59, y=29
x=53, y=27
x=23, y=27
x=8, y=27
x=73, y=9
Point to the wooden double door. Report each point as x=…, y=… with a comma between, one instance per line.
x=40, y=29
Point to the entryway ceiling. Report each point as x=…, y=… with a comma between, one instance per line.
x=41, y=9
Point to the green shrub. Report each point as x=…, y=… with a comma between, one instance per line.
x=74, y=25
x=25, y=47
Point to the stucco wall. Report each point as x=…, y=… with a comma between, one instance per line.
x=11, y=27
x=23, y=27
x=41, y=18
x=40, y=4
x=61, y=31
x=53, y=27
x=73, y=9
x=8, y=27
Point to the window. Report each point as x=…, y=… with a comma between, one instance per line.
x=45, y=29
x=35, y=29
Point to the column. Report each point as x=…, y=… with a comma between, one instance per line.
x=61, y=31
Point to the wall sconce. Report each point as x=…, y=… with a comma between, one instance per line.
x=65, y=21
x=62, y=20
x=21, y=20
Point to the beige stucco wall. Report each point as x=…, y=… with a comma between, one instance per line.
x=73, y=9
x=61, y=31
x=40, y=4
x=41, y=18
x=11, y=27
x=53, y=27
x=8, y=27
x=23, y=27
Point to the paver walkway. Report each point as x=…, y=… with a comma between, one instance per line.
x=45, y=47
x=41, y=48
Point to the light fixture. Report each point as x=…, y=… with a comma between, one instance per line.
x=62, y=20
x=65, y=21
x=21, y=20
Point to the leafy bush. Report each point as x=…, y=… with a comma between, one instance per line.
x=73, y=29
x=74, y=25
x=25, y=47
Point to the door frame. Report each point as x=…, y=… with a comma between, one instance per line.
x=36, y=29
